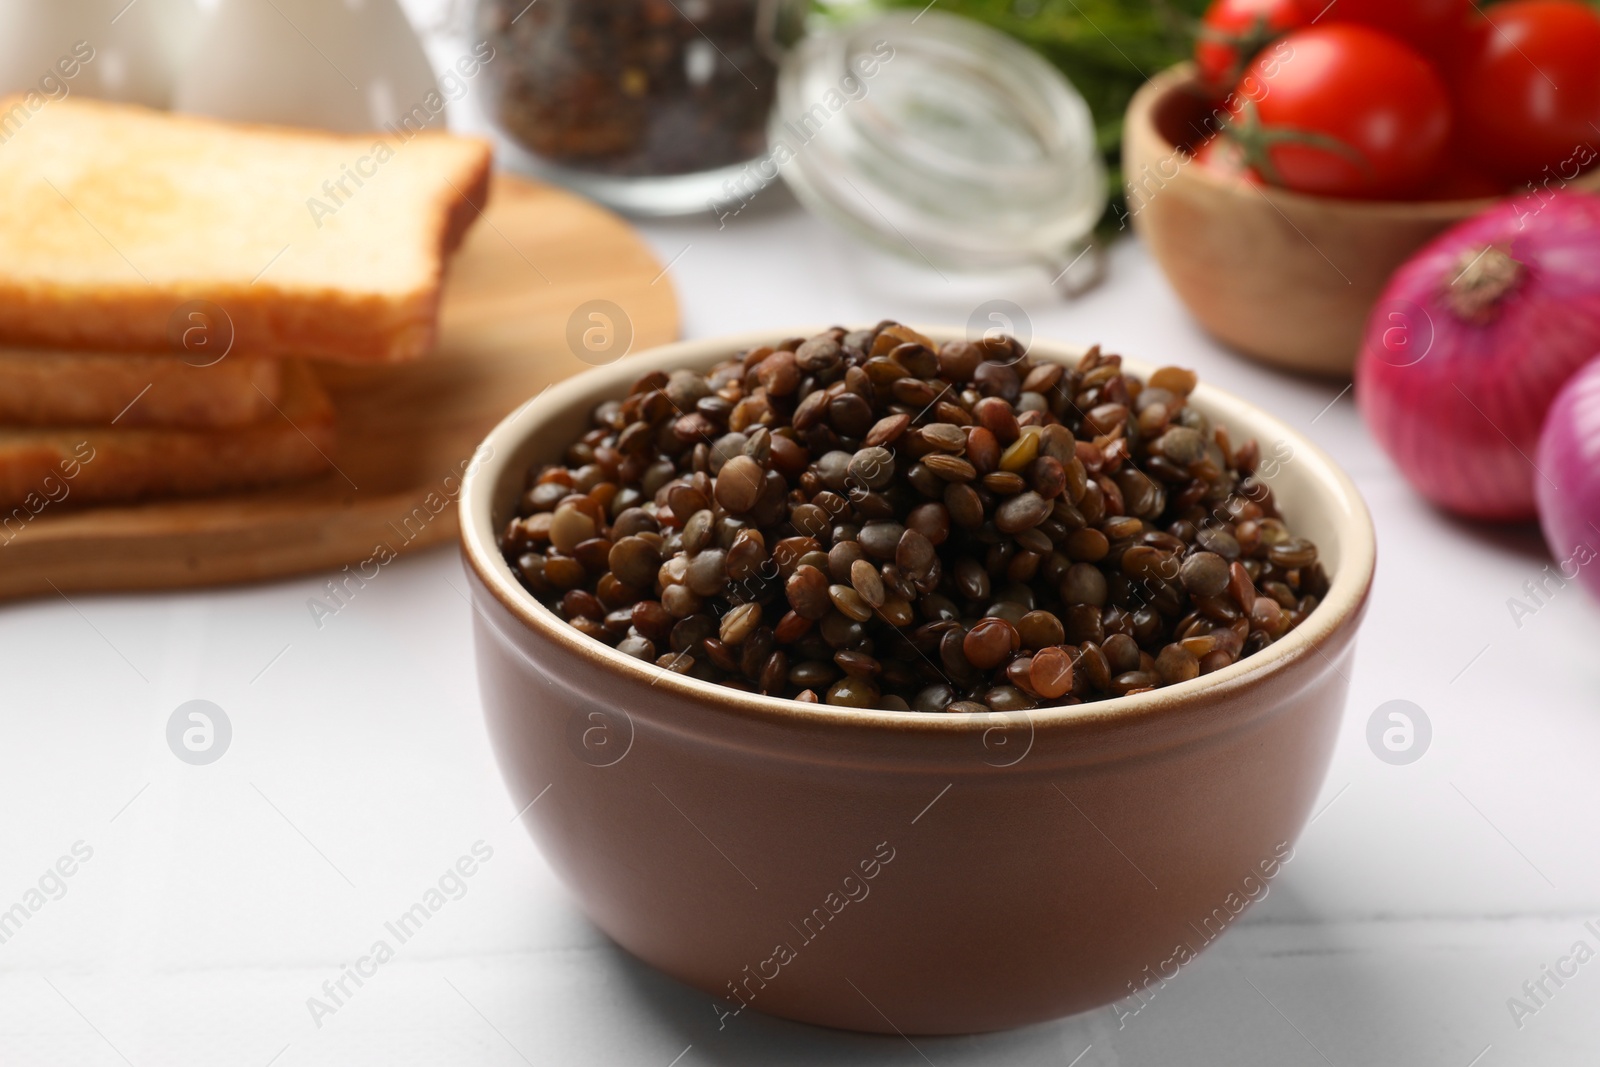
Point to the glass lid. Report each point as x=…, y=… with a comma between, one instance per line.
x=941, y=140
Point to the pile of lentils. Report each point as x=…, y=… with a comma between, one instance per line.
x=870, y=519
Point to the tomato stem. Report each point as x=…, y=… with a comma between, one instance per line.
x=1246, y=43
x=1256, y=141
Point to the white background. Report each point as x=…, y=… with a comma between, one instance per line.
x=218, y=899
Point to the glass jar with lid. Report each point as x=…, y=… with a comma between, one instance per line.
x=931, y=135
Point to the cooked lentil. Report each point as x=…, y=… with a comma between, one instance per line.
x=869, y=519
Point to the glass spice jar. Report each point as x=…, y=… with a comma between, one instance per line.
x=645, y=105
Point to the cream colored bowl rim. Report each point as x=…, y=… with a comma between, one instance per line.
x=1338, y=609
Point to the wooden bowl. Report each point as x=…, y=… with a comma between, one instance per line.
x=1286, y=278
x=903, y=871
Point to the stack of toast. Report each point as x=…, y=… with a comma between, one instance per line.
x=167, y=284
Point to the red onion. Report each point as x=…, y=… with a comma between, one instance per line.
x=1470, y=342
x=1569, y=478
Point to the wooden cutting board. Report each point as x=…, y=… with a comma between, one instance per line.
x=527, y=270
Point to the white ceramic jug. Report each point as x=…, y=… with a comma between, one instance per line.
x=346, y=65
x=102, y=48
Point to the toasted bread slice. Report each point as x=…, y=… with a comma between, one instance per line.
x=113, y=218
x=113, y=463
x=41, y=387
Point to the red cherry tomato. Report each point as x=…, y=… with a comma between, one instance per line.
x=1222, y=156
x=1459, y=44
x=1341, y=110
x=1528, y=97
x=1233, y=31
x=1423, y=24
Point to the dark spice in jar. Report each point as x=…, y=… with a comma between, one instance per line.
x=631, y=88
x=803, y=521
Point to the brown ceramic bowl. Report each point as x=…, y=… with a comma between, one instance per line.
x=1286, y=278
x=903, y=871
